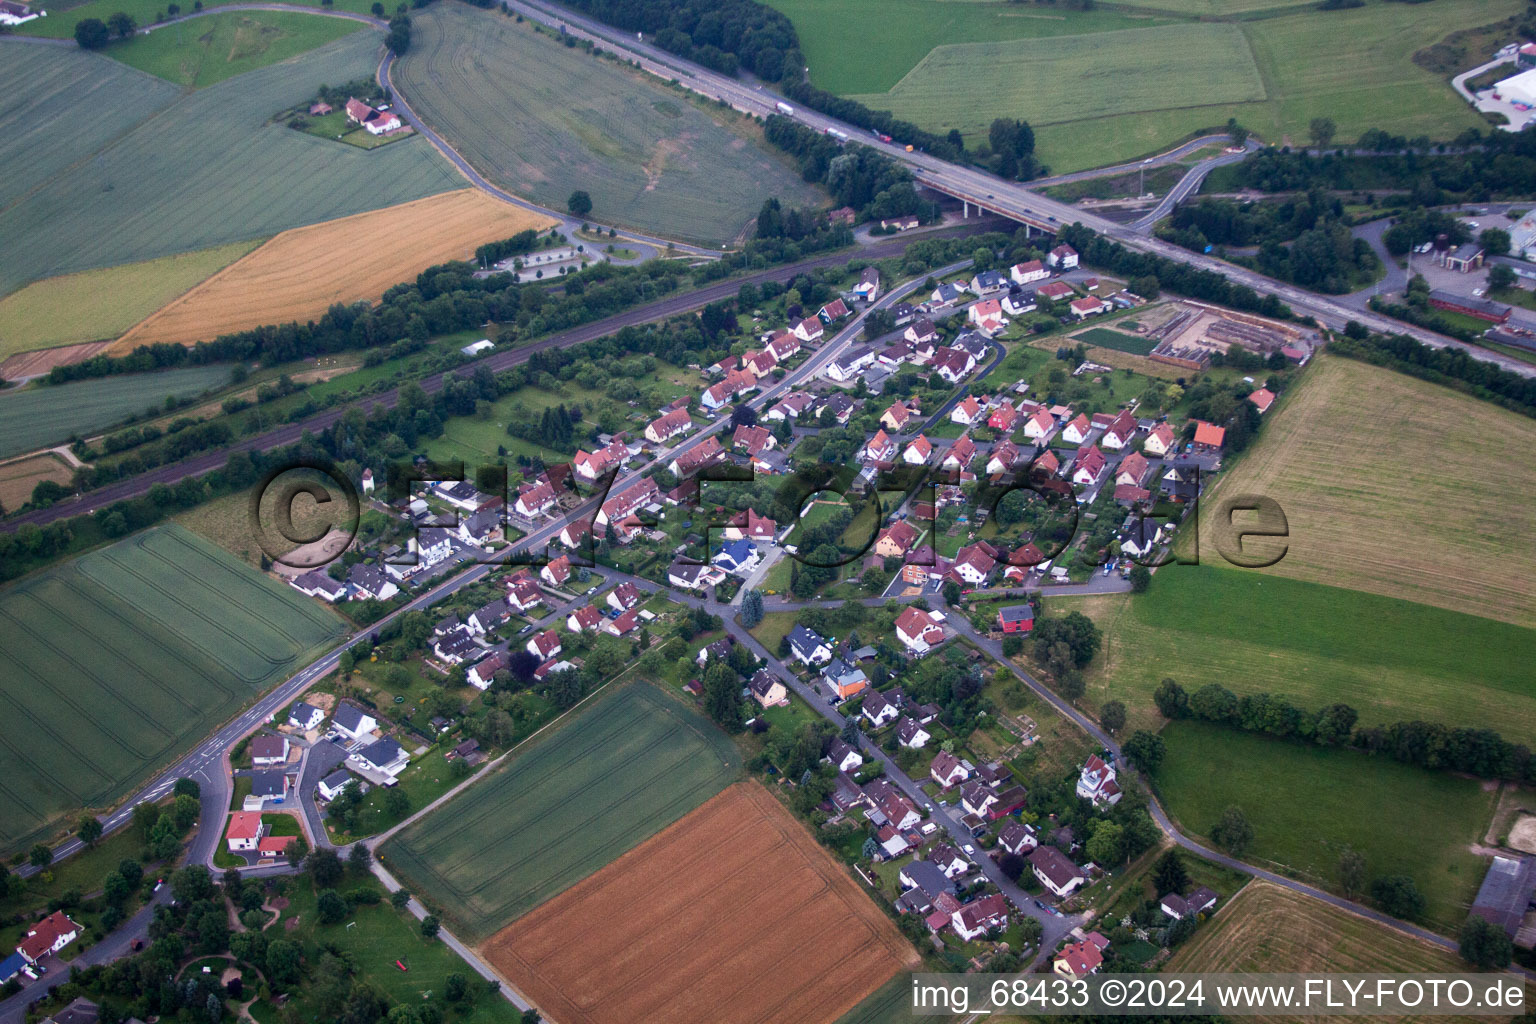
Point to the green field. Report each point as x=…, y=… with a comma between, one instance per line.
x=60, y=24
x=891, y=1003
x=1392, y=660
x=42, y=416
x=1272, y=64
x=543, y=120
x=118, y=660
x=208, y=169
x=1103, y=337
x=101, y=304
x=1308, y=803
x=372, y=938
x=1074, y=78
x=579, y=797
x=201, y=51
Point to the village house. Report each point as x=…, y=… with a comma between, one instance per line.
x=270, y=786
x=1209, y=437
x=1029, y=272
x=669, y=426
x=318, y=583
x=625, y=622
x=48, y=936
x=624, y=596
x=1097, y=783
x=1088, y=466
x=988, y=282
x=783, y=346
x=918, y=452
x=488, y=616
x=1262, y=399
x=590, y=466
x=924, y=888
x=331, y=786
x=268, y=750
x=523, y=592
x=980, y=917
x=572, y=534
x=483, y=672
x=896, y=540
x=556, y=573
x=545, y=645
x=1160, y=441
x=760, y=364
x=1016, y=618
x=1055, y=871
x=910, y=734
x=1120, y=432
x=899, y=812
x=1003, y=417
x=369, y=582
x=352, y=722
x=948, y=770
x=628, y=501
x=1003, y=457
x=584, y=618
x=766, y=688
x=244, y=831
x=987, y=315
x=1080, y=959
x=974, y=563
x=1078, y=430
x=1196, y=903
x=791, y=406
x=753, y=439
x=384, y=756
x=922, y=332
x=868, y=287
x=1017, y=838
x=844, y=679
x=736, y=383
x=960, y=454
x=953, y=364
x=1055, y=291
x=919, y=631
x=1063, y=257
x=808, y=330
x=967, y=411
x=808, y=647
x=305, y=717
x=1039, y=425
x=1088, y=305
x=1019, y=301
x=375, y=122
x=879, y=448
x=833, y=311
x=897, y=415
x=737, y=556
x=1133, y=470
x=948, y=294
x=879, y=710
x=848, y=366
x=843, y=755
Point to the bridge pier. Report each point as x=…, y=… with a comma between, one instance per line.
x=966, y=205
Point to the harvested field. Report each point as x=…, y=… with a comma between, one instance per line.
x=42, y=416
x=1266, y=928
x=123, y=657
x=103, y=303
x=300, y=273
x=1399, y=487
x=181, y=171
x=629, y=764
x=541, y=120
x=26, y=365
x=18, y=478
x=694, y=949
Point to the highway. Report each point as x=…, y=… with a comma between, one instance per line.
x=980, y=188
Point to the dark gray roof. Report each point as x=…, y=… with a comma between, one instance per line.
x=928, y=878
x=349, y=717
x=303, y=712
x=381, y=752
x=268, y=783
x=804, y=640
x=1506, y=892
x=337, y=778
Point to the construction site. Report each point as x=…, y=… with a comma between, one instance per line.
x=1189, y=333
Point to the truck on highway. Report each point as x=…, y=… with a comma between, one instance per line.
x=841, y=136
x=785, y=109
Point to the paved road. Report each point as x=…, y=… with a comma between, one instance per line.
x=673, y=305
x=1173, y=155
x=1009, y=199
x=1190, y=184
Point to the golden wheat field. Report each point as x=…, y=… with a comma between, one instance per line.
x=1396, y=486
x=300, y=273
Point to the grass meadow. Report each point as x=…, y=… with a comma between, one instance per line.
x=1103, y=337
x=42, y=416
x=202, y=51
x=1272, y=64
x=1308, y=804
x=1075, y=78
x=208, y=170
x=100, y=304
x=61, y=24
x=1392, y=660
x=1398, y=487
x=543, y=120
x=123, y=657
x=574, y=800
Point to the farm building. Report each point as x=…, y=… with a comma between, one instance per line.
x=1520, y=89
x=1482, y=309
x=1506, y=895
x=376, y=122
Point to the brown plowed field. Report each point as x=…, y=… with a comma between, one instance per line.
x=300, y=273
x=34, y=364
x=731, y=915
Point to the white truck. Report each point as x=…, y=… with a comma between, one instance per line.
x=785, y=109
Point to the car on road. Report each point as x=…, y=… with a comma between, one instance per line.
x=592, y=590
x=1040, y=904
x=970, y=851
x=158, y=883
x=525, y=629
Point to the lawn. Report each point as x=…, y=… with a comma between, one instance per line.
x=201, y=51
x=372, y=938
x=60, y=23
x=543, y=119
x=41, y=416
x=100, y=304
x=1308, y=804
x=1398, y=487
x=630, y=764
x=1390, y=659
x=774, y=627
x=1203, y=62
x=1267, y=928
x=1074, y=78
x=127, y=655
x=1103, y=337
x=140, y=189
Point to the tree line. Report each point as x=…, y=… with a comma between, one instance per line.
x=1450, y=366
x=1480, y=752
x=1170, y=275
x=857, y=176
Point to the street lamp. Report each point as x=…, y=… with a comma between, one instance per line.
x=1141, y=188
